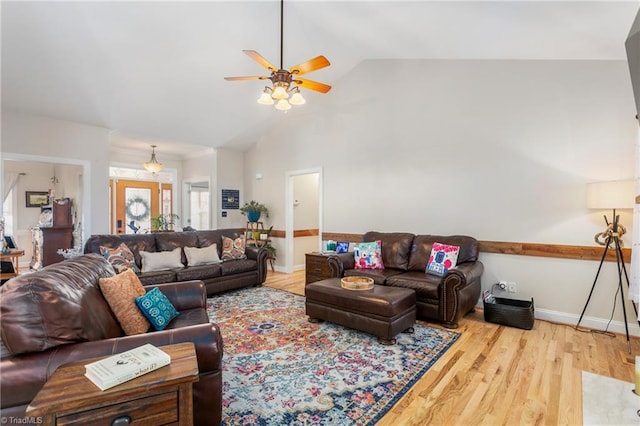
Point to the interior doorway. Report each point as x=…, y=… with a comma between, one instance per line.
x=196, y=203
x=304, y=206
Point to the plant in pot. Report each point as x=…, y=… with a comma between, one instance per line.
x=164, y=222
x=254, y=210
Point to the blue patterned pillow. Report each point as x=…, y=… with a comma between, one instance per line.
x=156, y=308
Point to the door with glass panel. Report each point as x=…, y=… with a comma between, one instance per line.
x=136, y=202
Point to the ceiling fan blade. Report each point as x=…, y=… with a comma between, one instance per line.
x=260, y=59
x=312, y=85
x=314, y=64
x=253, y=77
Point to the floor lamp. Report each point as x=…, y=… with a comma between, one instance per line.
x=614, y=196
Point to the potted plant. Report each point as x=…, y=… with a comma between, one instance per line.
x=164, y=222
x=253, y=210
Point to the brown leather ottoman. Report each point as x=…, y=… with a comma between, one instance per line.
x=382, y=311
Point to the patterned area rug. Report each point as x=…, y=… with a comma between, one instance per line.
x=280, y=369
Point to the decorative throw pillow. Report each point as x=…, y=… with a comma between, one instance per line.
x=121, y=258
x=156, y=308
x=233, y=249
x=121, y=291
x=368, y=255
x=162, y=260
x=443, y=257
x=202, y=256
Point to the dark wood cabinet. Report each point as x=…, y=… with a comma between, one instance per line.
x=53, y=239
x=316, y=267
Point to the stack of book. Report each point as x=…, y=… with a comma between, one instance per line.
x=111, y=371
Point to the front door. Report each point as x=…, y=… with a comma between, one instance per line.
x=137, y=202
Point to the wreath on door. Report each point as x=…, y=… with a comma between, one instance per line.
x=137, y=208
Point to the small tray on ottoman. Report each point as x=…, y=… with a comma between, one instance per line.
x=356, y=283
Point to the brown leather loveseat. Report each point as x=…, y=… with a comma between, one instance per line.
x=444, y=299
x=228, y=275
x=58, y=315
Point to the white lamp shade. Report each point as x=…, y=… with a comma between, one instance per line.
x=297, y=99
x=618, y=194
x=283, y=105
x=280, y=93
x=265, y=99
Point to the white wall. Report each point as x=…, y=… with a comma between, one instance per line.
x=229, y=175
x=500, y=150
x=27, y=137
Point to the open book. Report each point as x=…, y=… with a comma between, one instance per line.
x=111, y=371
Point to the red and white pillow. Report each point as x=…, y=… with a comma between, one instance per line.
x=443, y=257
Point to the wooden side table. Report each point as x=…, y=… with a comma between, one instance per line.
x=316, y=267
x=162, y=397
x=14, y=258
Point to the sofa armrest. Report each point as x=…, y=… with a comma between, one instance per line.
x=184, y=295
x=260, y=255
x=459, y=290
x=24, y=375
x=339, y=262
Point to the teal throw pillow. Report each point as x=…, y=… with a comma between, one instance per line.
x=156, y=308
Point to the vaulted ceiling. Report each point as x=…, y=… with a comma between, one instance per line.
x=153, y=71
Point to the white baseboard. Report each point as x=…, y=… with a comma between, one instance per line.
x=590, y=322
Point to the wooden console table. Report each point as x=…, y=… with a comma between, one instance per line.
x=162, y=397
x=14, y=258
x=316, y=267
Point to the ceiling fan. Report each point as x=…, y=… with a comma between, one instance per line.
x=286, y=82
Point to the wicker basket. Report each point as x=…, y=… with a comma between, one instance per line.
x=510, y=312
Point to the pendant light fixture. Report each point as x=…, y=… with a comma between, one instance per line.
x=153, y=165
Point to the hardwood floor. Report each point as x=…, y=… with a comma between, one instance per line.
x=495, y=375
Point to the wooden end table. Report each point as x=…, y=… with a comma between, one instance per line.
x=162, y=397
x=14, y=257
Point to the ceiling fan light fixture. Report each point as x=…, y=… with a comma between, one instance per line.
x=283, y=105
x=279, y=92
x=153, y=165
x=297, y=98
x=265, y=97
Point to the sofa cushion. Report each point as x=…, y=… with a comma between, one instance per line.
x=368, y=255
x=379, y=276
x=162, y=260
x=233, y=248
x=202, y=256
x=422, y=245
x=202, y=272
x=157, y=277
x=425, y=285
x=135, y=242
x=156, y=308
x=237, y=266
x=396, y=248
x=120, y=291
x=443, y=257
x=121, y=258
x=59, y=304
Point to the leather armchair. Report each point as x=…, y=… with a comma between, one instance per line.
x=24, y=374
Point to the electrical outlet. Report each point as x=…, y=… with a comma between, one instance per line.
x=503, y=285
x=512, y=287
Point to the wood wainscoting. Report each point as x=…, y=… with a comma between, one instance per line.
x=560, y=251
x=522, y=249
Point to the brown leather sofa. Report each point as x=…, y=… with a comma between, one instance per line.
x=443, y=299
x=58, y=315
x=217, y=278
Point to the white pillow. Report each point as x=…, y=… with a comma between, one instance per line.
x=162, y=260
x=202, y=256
